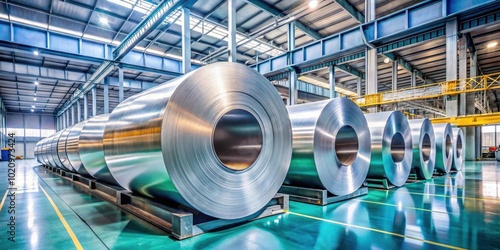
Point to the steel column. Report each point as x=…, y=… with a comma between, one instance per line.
x=358, y=86
x=472, y=134
x=78, y=111
x=120, y=84
x=231, y=30
x=371, y=84
x=186, y=40
x=462, y=73
x=413, y=79
x=394, y=75
x=106, y=96
x=85, y=107
x=73, y=115
x=293, y=93
x=451, y=64
x=94, y=101
x=331, y=78
x=291, y=36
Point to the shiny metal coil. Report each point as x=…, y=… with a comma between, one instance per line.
x=217, y=139
x=54, y=153
x=331, y=146
x=72, y=148
x=50, y=149
x=444, y=146
x=61, y=149
x=90, y=147
x=391, y=143
x=458, y=149
x=424, y=147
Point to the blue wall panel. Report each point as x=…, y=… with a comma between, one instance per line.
x=351, y=39
x=29, y=36
x=4, y=31
x=331, y=45
x=313, y=51
x=171, y=65
x=391, y=25
x=64, y=43
x=153, y=61
x=425, y=14
x=92, y=49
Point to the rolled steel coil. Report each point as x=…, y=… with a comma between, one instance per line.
x=217, y=139
x=54, y=154
x=444, y=146
x=50, y=149
x=331, y=146
x=391, y=143
x=458, y=149
x=61, y=149
x=72, y=148
x=424, y=147
x=90, y=147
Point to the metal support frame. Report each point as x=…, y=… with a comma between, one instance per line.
x=85, y=107
x=394, y=75
x=451, y=64
x=78, y=111
x=231, y=29
x=293, y=93
x=331, y=79
x=462, y=73
x=120, y=84
x=318, y=196
x=106, y=96
x=180, y=222
x=358, y=86
x=73, y=121
x=186, y=40
x=94, y=101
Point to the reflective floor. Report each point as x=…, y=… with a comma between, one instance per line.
x=457, y=211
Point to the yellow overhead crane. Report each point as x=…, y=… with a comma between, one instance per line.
x=455, y=87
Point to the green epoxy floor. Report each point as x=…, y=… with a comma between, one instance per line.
x=455, y=211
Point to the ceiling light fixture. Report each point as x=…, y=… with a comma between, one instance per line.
x=313, y=4
x=34, y=98
x=35, y=93
x=33, y=106
x=387, y=60
x=32, y=110
x=36, y=82
x=103, y=20
x=36, y=53
x=491, y=44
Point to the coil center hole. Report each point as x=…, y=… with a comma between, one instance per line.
x=237, y=139
x=449, y=146
x=459, y=147
x=346, y=145
x=426, y=147
x=397, y=147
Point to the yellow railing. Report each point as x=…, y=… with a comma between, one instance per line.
x=455, y=87
x=470, y=120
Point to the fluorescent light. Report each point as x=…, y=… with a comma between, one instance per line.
x=313, y=4
x=35, y=53
x=36, y=82
x=96, y=38
x=103, y=20
x=387, y=60
x=491, y=44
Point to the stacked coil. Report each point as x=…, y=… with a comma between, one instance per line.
x=458, y=149
x=391, y=147
x=444, y=147
x=424, y=147
x=225, y=154
x=331, y=146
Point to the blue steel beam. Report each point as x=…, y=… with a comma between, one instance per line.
x=143, y=29
x=278, y=13
x=409, y=67
x=347, y=6
x=420, y=22
x=351, y=70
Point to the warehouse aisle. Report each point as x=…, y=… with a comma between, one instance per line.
x=458, y=211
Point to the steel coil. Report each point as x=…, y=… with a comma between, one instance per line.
x=50, y=147
x=458, y=149
x=217, y=139
x=72, y=148
x=331, y=146
x=54, y=152
x=91, y=149
x=444, y=147
x=391, y=142
x=424, y=147
x=61, y=149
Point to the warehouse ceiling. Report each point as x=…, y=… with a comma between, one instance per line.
x=110, y=21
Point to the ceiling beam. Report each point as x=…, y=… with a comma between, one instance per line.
x=350, y=70
x=351, y=9
x=409, y=67
x=278, y=13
